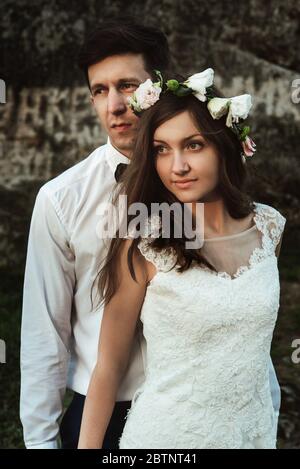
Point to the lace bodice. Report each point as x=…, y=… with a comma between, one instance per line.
x=254, y=244
x=208, y=337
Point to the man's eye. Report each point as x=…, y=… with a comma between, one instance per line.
x=129, y=86
x=98, y=91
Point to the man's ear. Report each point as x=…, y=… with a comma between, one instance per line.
x=92, y=100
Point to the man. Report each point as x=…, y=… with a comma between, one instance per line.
x=59, y=330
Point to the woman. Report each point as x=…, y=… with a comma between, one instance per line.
x=209, y=312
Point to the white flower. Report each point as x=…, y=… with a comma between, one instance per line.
x=145, y=95
x=239, y=108
x=218, y=107
x=199, y=82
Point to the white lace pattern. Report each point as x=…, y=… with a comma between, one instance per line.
x=208, y=344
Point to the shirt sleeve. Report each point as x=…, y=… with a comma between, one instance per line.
x=46, y=324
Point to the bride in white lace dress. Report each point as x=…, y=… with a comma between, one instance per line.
x=208, y=316
x=208, y=341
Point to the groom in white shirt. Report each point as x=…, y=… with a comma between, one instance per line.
x=59, y=339
x=59, y=330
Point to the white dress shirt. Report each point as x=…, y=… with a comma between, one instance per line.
x=59, y=337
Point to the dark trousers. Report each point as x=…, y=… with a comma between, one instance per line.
x=71, y=421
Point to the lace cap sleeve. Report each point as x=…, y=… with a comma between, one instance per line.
x=165, y=259
x=273, y=221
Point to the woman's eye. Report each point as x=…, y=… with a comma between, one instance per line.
x=158, y=149
x=195, y=145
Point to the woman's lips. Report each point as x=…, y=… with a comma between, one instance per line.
x=184, y=184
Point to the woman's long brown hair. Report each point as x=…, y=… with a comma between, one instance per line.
x=141, y=183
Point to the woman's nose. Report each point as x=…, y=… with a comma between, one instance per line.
x=180, y=165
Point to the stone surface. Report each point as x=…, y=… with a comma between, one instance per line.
x=48, y=125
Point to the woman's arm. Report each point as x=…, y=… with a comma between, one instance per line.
x=117, y=332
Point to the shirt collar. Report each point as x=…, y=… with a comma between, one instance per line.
x=114, y=157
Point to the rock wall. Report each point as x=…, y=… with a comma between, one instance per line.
x=47, y=124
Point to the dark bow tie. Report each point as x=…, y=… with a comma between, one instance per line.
x=120, y=170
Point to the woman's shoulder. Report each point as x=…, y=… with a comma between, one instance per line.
x=270, y=218
x=269, y=211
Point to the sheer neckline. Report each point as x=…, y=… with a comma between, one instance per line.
x=236, y=235
x=258, y=254
x=266, y=220
x=221, y=238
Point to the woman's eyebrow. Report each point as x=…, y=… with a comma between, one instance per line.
x=183, y=140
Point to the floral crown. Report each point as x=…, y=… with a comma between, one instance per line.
x=200, y=85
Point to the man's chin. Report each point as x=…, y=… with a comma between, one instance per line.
x=123, y=143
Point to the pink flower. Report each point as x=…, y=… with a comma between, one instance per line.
x=145, y=95
x=249, y=146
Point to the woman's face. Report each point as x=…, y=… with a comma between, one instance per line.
x=186, y=163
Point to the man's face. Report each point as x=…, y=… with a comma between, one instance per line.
x=112, y=81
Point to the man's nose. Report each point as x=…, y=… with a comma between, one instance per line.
x=116, y=103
